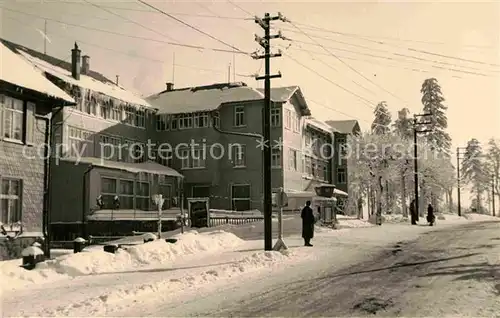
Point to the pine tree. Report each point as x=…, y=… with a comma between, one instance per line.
x=432, y=99
x=493, y=164
x=473, y=171
x=382, y=121
x=403, y=125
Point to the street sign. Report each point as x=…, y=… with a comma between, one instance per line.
x=281, y=198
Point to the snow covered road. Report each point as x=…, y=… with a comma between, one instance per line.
x=450, y=271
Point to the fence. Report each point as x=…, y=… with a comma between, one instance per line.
x=234, y=220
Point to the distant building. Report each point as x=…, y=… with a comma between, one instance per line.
x=27, y=99
x=342, y=129
x=233, y=180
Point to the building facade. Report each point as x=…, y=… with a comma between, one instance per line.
x=226, y=166
x=27, y=99
x=101, y=178
x=342, y=129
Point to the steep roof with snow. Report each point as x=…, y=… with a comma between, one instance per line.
x=344, y=126
x=16, y=70
x=211, y=97
x=311, y=121
x=61, y=69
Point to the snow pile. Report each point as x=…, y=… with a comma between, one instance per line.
x=116, y=299
x=394, y=218
x=96, y=261
x=480, y=217
x=346, y=222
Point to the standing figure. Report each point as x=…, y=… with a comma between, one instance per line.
x=413, y=212
x=431, y=218
x=308, y=221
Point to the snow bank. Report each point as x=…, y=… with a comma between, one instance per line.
x=346, y=222
x=96, y=261
x=115, y=300
x=480, y=217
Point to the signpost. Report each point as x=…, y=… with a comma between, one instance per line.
x=158, y=199
x=281, y=201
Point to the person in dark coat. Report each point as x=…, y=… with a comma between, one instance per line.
x=308, y=221
x=431, y=218
x=413, y=212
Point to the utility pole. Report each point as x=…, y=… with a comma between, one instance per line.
x=493, y=193
x=415, y=156
x=265, y=42
x=459, y=203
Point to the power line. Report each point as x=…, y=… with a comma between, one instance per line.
x=388, y=52
x=420, y=51
x=192, y=27
x=350, y=67
x=131, y=21
x=365, y=101
x=155, y=12
x=364, y=37
x=399, y=60
x=197, y=47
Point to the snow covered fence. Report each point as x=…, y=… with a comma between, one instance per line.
x=94, y=260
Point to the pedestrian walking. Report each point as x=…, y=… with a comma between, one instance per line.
x=413, y=212
x=308, y=221
x=431, y=218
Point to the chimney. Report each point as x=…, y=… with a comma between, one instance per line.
x=85, y=65
x=170, y=87
x=75, y=62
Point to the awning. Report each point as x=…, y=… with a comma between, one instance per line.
x=149, y=166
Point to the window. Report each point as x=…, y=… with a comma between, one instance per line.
x=200, y=191
x=276, y=158
x=341, y=176
x=288, y=119
x=91, y=104
x=162, y=122
x=129, y=115
x=240, y=197
x=200, y=120
x=10, y=201
x=124, y=189
x=142, y=199
x=13, y=117
x=140, y=118
x=275, y=117
x=164, y=157
x=138, y=152
x=166, y=191
x=216, y=119
x=192, y=159
x=79, y=142
x=238, y=155
x=185, y=121
x=342, y=150
x=105, y=110
x=110, y=147
x=308, y=166
x=239, y=116
x=292, y=159
x=296, y=123
x=174, y=122
x=116, y=112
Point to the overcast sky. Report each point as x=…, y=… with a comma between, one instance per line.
x=461, y=31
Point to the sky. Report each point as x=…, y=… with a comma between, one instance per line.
x=360, y=53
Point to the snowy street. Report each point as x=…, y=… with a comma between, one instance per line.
x=452, y=271
x=409, y=270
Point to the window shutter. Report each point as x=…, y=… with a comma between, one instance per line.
x=30, y=123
